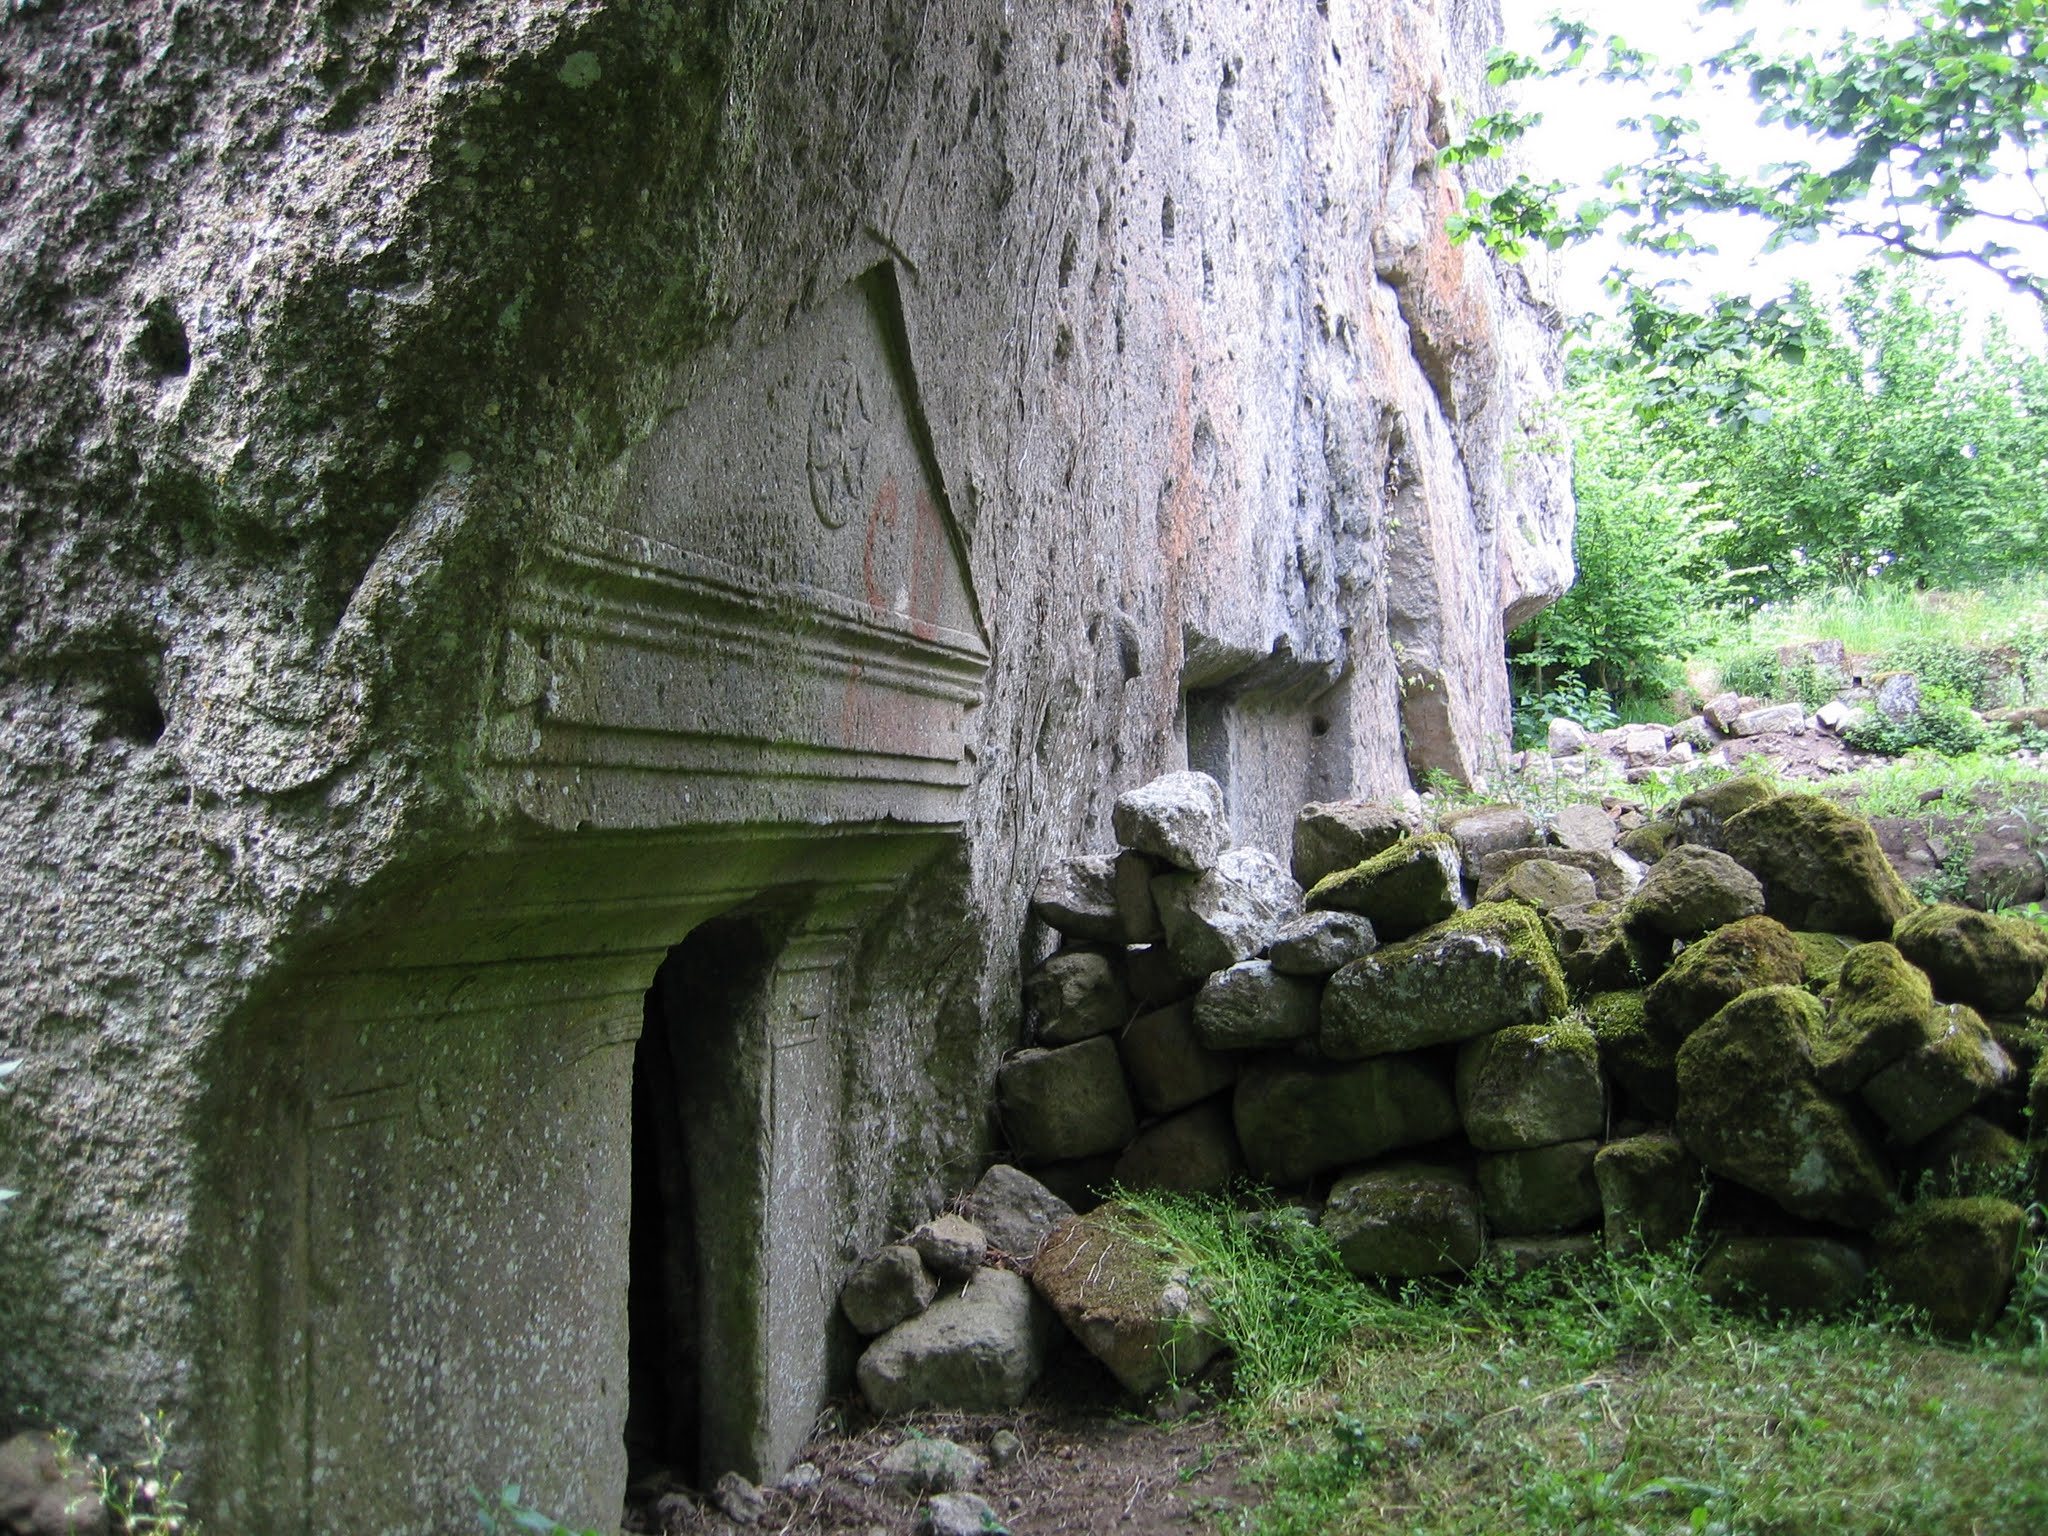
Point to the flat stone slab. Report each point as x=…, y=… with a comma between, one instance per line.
x=1336, y=835
x=1077, y=898
x=1015, y=1210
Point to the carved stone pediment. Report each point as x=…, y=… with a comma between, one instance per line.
x=771, y=622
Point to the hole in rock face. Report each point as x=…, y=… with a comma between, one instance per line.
x=127, y=701
x=702, y=986
x=162, y=344
x=1319, y=726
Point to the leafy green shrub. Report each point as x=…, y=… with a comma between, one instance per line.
x=1753, y=671
x=1965, y=671
x=1569, y=698
x=1944, y=725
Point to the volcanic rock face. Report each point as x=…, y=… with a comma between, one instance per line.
x=491, y=491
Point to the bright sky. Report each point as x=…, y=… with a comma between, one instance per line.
x=1578, y=140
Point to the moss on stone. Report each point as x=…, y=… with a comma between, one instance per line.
x=1634, y=1056
x=1752, y=1110
x=1992, y=962
x=1820, y=866
x=1474, y=973
x=1530, y=1085
x=1701, y=814
x=1526, y=938
x=1878, y=1009
x=1712, y=973
x=1649, y=842
x=1823, y=954
x=1952, y=1259
x=1401, y=889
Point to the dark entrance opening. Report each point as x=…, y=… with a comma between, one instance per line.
x=683, y=1071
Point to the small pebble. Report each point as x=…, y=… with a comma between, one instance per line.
x=801, y=1478
x=960, y=1514
x=1004, y=1447
x=742, y=1502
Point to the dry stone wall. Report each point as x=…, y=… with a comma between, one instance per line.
x=1759, y=1040
x=506, y=502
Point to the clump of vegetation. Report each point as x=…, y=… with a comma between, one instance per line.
x=1608, y=1395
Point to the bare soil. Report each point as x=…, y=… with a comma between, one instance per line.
x=1088, y=1462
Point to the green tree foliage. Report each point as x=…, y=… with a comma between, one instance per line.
x=1887, y=447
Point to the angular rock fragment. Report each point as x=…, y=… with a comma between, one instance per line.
x=1131, y=888
x=1711, y=973
x=929, y=1464
x=1971, y=1156
x=1544, y=884
x=1297, y=1119
x=1540, y=1189
x=1227, y=913
x=951, y=1246
x=1317, y=943
x=1878, y=1010
x=1404, y=1221
x=1821, y=867
x=1015, y=1210
x=1583, y=827
x=960, y=1514
x=1962, y=1065
x=1484, y=829
x=1411, y=885
x=1076, y=993
x=47, y=1491
x=1177, y=818
x=1693, y=890
x=1168, y=1065
x=1531, y=1085
x=1751, y=1108
x=1614, y=873
x=1649, y=1191
x=1953, y=1260
x=1701, y=815
x=885, y=1288
x=1990, y=961
x=1066, y=1103
x=1339, y=834
x=1490, y=968
x=1077, y=898
x=1641, y=1062
x=1153, y=978
x=1107, y=1276
x=1768, y=719
x=1253, y=1004
x=976, y=1351
x=1598, y=949
x=1565, y=738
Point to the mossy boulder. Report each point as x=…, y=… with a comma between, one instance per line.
x=1820, y=866
x=1614, y=874
x=1971, y=1156
x=1335, y=835
x=1649, y=842
x=1994, y=963
x=1878, y=1009
x=1482, y=970
x=1543, y=884
x=1691, y=891
x=1952, y=1259
x=1531, y=1085
x=1525, y=1255
x=1482, y=829
x=1701, y=815
x=1814, y=1275
x=1401, y=890
x=1598, y=950
x=1824, y=954
x=1194, y=1152
x=1110, y=1277
x=1254, y=1004
x=1751, y=1108
x=1405, y=1221
x=1649, y=1191
x=1710, y=974
x=1952, y=1072
x=1298, y=1118
x=1066, y=1103
x=1077, y=993
x=1540, y=1189
x=1640, y=1061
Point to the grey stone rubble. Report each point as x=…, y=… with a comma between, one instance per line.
x=1757, y=1057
